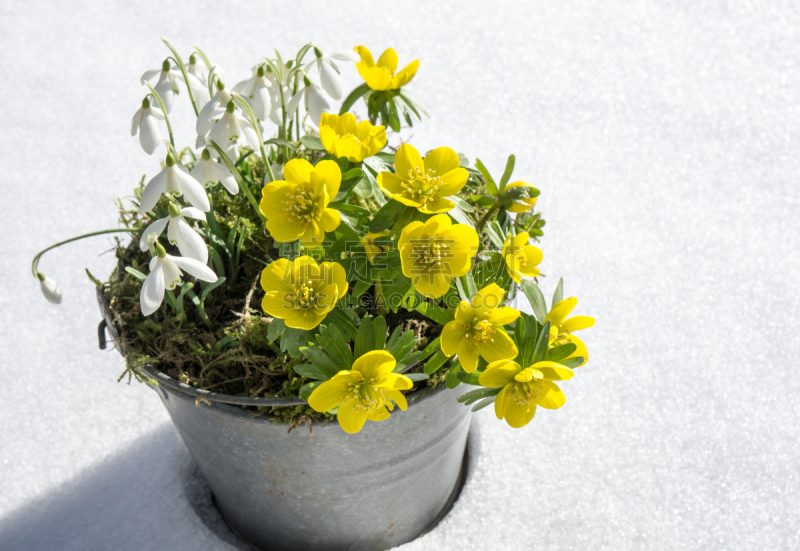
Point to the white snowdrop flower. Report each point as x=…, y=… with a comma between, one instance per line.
x=208, y=172
x=317, y=101
x=179, y=232
x=49, y=288
x=277, y=170
x=196, y=69
x=199, y=90
x=165, y=274
x=211, y=111
x=291, y=105
x=258, y=90
x=167, y=85
x=328, y=71
x=144, y=122
x=229, y=128
x=173, y=180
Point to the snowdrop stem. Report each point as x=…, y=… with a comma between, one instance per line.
x=252, y=116
x=203, y=56
x=179, y=62
x=163, y=111
x=35, y=263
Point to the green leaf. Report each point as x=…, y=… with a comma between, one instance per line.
x=490, y=185
x=334, y=343
x=312, y=142
x=535, y=298
x=210, y=287
x=572, y=363
x=477, y=394
x=387, y=216
x=469, y=284
x=281, y=142
x=522, y=340
x=460, y=203
x=494, y=236
x=541, y=344
x=379, y=330
x=482, y=200
x=365, y=338
x=416, y=376
x=322, y=361
x=558, y=296
x=462, y=291
x=292, y=340
x=402, y=346
x=483, y=403
x=460, y=216
x=275, y=329
x=560, y=352
x=507, y=174
x=462, y=160
x=432, y=347
x=353, y=97
x=351, y=214
x=135, y=273
x=307, y=389
x=436, y=313
x=452, y=380
x=469, y=378
x=310, y=372
x=437, y=361
x=342, y=321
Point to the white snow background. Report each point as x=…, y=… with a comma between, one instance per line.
x=664, y=138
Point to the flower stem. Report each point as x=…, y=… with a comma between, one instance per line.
x=163, y=111
x=182, y=67
x=485, y=217
x=35, y=263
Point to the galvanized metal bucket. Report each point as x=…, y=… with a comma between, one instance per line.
x=316, y=487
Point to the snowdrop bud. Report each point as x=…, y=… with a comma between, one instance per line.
x=317, y=52
x=289, y=63
x=165, y=65
x=231, y=107
x=260, y=71
x=220, y=84
x=174, y=210
x=146, y=103
x=306, y=80
x=49, y=288
x=206, y=156
x=170, y=160
x=160, y=251
x=192, y=59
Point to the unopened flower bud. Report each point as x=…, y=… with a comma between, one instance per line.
x=49, y=288
x=192, y=59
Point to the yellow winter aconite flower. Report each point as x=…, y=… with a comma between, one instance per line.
x=477, y=330
x=521, y=258
x=561, y=327
x=343, y=136
x=424, y=184
x=524, y=204
x=381, y=75
x=301, y=292
x=524, y=389
x=363, y=392
x=434, y=252
x=372, y=248
x=297, y=206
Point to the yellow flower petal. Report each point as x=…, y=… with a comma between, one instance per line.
x=431, y=285
x=326, y=396
x=329, y=174
x=313, y=236
x=551, y=397
x=388, y=60
x=453, y=181
x=500, y=373
x=374, y=363
x=504, y=315
x=487, y=299
x=275, y=304
x=332, y=273
x=398, y=398
x=576, y=323
x=553, y=371
x=330, y=219
x=441, y=160
x=351, y=419
x=503, y=348
x=560, y=311
x=394, y=381
x=501, y=403
x=407, y=158
x=284, y=228
x=519, y=415
x=327, y=135
x=468, y=355
x=298, y=171
x=404, y=77
x=391, y=183
x=452, y=335
x=460, y=237
x=366, y=55
x=272, y=197
x=377, y=414
x=437, y=205
x=275, y=277
x=464, y=313
x=302, y=319
x=580, y=351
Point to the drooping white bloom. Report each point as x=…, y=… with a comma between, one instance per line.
x=258, y=90
x=167, y=85
x=317, y=102
x=277, y=170
x=173, y=180
x=230, y=127
x=196, y=69
x=179, y=232
x=144, y=122
x=208, y=172
x=328, y=71
x=211, y=111
x=49, y=288
x=292, y=102
x=165, y=273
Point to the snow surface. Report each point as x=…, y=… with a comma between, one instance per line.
x=664, y=137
